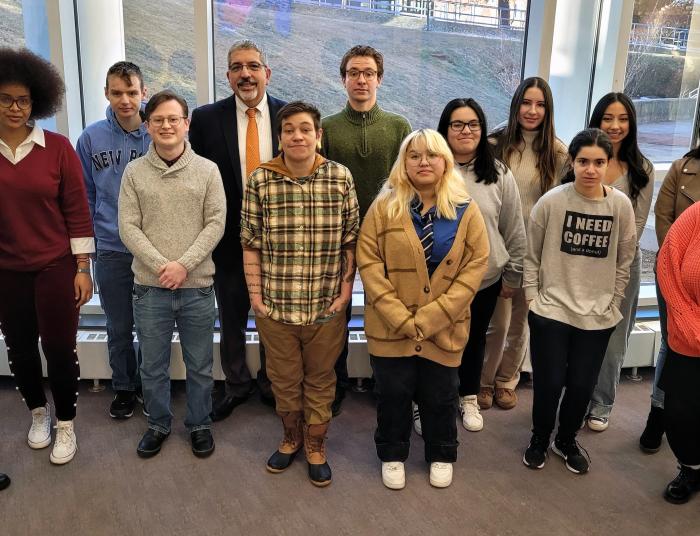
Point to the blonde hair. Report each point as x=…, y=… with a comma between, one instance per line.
x=398, y=191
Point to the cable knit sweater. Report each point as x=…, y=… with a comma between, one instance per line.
x=678, y=270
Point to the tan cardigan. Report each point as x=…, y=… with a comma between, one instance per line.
x=679, y=191
x=400, y=295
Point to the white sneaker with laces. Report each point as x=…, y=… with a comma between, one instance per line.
x=393, y=475
x=65, y=445
x=39, y=435
x=471, y=418
x=440, y=474
x=417, y=426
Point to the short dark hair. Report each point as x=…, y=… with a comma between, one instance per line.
x=298, y=107
x=590, y=137
x=46, y=87
x=124, y=70
x=165, y=96
x=363, y=50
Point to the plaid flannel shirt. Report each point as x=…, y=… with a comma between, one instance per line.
x=300, y=225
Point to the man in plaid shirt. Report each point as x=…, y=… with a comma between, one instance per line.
x=299, y=225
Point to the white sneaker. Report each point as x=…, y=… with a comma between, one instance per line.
x=440, y=474
x=39, y=435
x=598, y=424
x=393, y=475
x=471, y=418
x=65, y=445
x=417, y=426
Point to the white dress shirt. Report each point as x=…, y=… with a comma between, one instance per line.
x=264, y=132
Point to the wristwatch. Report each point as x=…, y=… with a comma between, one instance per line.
x=84, y=270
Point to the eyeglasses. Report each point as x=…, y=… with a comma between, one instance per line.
x=415, y=158
x=252, y=67
x=173, y=121
x=369, y=74
x=23, y=103
x=458, y=126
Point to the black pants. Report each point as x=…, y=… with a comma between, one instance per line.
x=679, y=380
x=341, y=364
x=473, y=357
x=397, y=382
x=563, y=356
x=234, y=304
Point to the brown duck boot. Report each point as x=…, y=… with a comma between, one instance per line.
x=315, y=449
x=291, y=443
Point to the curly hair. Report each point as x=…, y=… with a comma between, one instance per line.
x=45, y=85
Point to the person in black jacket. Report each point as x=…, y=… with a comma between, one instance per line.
x=224, y=133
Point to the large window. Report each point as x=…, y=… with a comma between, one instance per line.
x=11, y=24
x=159, y=38
x=434, y=50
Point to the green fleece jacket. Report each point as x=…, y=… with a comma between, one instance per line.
x=367, y=143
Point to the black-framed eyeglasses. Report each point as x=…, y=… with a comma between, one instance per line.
x=252, y=67
x=369, y=74
x=173, y=120
x=458, y=126
x=23, y=103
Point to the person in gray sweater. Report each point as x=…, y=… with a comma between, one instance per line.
x=493, y=187
x=581, y=242
x=172, y=213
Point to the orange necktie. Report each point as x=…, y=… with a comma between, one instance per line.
x=252, y=145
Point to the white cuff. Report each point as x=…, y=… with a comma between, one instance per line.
x=82, y=245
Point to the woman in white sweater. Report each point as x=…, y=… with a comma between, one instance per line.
x=581, y=242
x=491, y=184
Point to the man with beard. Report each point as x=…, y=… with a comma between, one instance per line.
x=237, y=133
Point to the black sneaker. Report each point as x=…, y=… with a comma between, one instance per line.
x=536, y=453
x=650, y=440
x=122, y=407
x=576, y=457
x=681, y=488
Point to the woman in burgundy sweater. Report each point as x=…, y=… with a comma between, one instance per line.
x=45, y=242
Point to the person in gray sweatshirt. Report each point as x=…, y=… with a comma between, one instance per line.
x=172, y=213
x=105, y=148
x=493, y=187
x=581, y=242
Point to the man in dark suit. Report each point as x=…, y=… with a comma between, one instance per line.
x=238, y=134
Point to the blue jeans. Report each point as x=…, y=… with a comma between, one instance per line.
x=657, y=394
x=115, y=281
x=157, y=311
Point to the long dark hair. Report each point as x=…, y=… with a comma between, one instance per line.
x=509, y=138
x=485, y=159
x=589, y=137
x=629, y=148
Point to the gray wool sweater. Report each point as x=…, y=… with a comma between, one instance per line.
x=500, y=206
x=578, y=257
x=175, y=213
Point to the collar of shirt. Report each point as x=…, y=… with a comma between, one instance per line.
x=36, y=136
x=261, y=108
x=417, y=208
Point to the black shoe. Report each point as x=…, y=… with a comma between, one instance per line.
x=279, y=461
x=225, y=406
x=650, y=440
x=202, y=443
x=268, y=399
x=320, y=474
x=150, y=443
x=4, y=481
x=122, y=407
x=536, y=452
x=576, y=461
x=336, y=406
x=681, y=488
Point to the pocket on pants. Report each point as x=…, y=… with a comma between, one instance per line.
x=140, y=291
x=206, y=291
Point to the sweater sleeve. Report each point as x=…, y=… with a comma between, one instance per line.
x=451, y=306
x=665, y=208
x=214, y=220
x=512, y=229
x=626, y=250
x=83, y=150
x=73, y=203
x=130, y=222
x=378, y=288
x=643, y=202
x=535, y=244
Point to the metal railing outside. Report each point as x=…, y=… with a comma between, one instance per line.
x=659, y=36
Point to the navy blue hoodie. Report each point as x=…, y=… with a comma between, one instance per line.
x=105, y=149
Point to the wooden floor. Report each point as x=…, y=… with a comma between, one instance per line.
x=108, y=490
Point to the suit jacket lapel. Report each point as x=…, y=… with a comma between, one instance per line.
x=229, y=124
x=273, y=108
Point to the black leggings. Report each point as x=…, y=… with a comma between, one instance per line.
x=563, y=356
x=481, y=309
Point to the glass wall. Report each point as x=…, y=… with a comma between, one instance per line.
x=433, y=50
x=11, y=24
x=159, y=38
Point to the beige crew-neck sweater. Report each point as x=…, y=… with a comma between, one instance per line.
x=523, y=165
